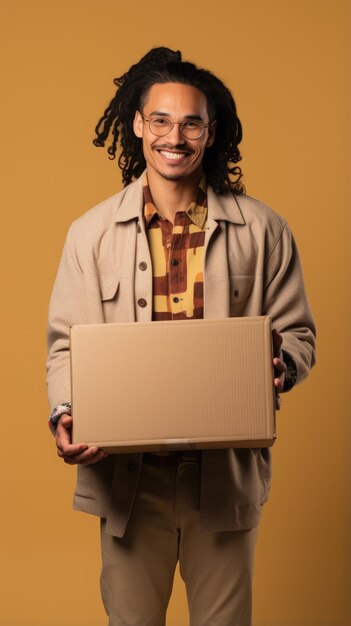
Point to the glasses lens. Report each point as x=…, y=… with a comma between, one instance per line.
x=160, y=126
x=192, y=129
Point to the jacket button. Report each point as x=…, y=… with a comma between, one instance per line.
x=142, y=265
x=174, y=261
x=138, y=228
x=175, y=299
x=142, y=302
x=132, y=466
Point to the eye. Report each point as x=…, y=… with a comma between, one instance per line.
x=159, y=121
x=191, y=124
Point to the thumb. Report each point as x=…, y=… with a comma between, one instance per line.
x=66, y=420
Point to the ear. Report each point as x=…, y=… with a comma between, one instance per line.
x=211, y=134
x=138, y=125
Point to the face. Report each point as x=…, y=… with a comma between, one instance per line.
x=174, y=157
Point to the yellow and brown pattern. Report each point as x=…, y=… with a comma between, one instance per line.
x=177, y=253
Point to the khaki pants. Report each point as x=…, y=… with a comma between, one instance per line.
x=137, y=570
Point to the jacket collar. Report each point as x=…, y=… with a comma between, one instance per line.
x=130, y=205
x=224, y=207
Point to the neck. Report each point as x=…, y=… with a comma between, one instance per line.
x=170, y=196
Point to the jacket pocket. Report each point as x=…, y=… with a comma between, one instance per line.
x=109, y=287
x=109, y=293
x=240, y=288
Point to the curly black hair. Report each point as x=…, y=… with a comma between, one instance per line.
x=162, y=65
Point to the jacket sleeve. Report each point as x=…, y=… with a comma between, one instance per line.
x=74, y=300
x=286, y=303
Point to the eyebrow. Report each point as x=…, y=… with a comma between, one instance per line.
x=187, y=117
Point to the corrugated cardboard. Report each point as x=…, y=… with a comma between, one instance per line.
x=173, y=385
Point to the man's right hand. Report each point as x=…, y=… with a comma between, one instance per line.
x=74, y=454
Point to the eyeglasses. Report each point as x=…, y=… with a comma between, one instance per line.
x=162, y=126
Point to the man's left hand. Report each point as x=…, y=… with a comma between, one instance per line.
x=279, y=367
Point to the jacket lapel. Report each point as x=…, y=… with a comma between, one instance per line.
x=221, y=210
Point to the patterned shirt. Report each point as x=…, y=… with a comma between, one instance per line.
x=177, y=254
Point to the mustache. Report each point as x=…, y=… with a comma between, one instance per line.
x=167, y=146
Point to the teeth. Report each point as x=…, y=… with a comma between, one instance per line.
x=172, y=155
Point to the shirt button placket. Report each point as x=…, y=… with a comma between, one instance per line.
x=175, y=300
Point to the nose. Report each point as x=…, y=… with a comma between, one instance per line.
x=175, y=136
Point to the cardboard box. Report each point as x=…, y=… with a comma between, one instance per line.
x=189, y=384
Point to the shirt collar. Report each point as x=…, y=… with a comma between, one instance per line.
x=197, y=211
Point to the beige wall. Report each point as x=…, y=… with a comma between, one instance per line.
x=286, y=63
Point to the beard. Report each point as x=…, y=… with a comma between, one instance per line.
x=173, y=177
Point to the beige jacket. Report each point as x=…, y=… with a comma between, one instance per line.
x=251, y=268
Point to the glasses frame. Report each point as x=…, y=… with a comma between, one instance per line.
x=181, y=124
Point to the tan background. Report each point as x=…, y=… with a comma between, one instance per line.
x=286, y=63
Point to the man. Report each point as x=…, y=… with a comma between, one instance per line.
x=182, y=241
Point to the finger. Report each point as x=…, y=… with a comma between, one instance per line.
x=98, y=457
x=71, y=449
x=84, y=454
x=75, y=451
x=64, y=424
x=278, y=384
x=87, y=458
x=279, y=367
x=63, y=433
x=66, y=420
x=278, y=363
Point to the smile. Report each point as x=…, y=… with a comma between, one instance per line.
x=174, y=156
